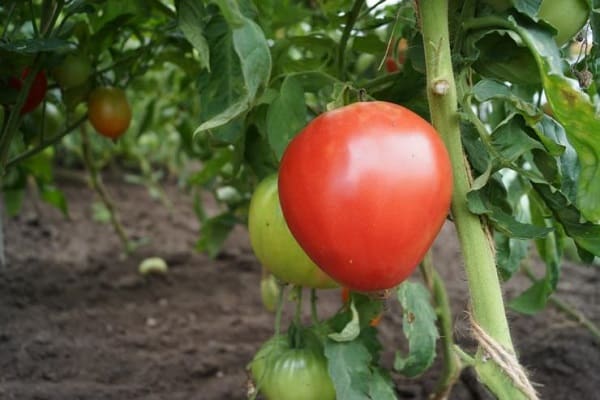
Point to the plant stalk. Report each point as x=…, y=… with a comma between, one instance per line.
x=101, y=190
x=350, y=21
x=476, y=244
x=452, y=365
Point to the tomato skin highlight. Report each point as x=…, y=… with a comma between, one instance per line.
x=37, y=92
x=273, y=243
x=365, y=190
x=109, y=111
x=285, y=373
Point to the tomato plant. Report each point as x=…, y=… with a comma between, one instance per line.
x=282, y=371
x=109, y=111
x=274, y=245
x=364, y=220
x=73, y=71
x=37, y=92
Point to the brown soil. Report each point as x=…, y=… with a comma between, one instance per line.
x=78, y=322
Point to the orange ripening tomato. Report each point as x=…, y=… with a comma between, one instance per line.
x=365, y=189
x=109, y=111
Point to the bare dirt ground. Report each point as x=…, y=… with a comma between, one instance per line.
x=78, y=322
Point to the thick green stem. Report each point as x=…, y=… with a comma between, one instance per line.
x=476, y=244
x=452, y=365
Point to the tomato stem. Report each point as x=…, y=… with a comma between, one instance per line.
x=475, y=239
x=279, y=311
x=298, y=313
x=313, y=306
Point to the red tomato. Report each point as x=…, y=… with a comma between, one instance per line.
x=37, y=92
x=365, y=189
x=390, y=65
x=109, y=111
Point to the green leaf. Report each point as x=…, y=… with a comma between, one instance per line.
x=509, y=254
x=286, y=115
x=418, y=324
x=214, y=231
x=492, y=201
x=348, y=366
x=231, y=12
x=34, y=46
x=511, y=141
x=251, y=47
x=240, y=50
x=533, y=300
x=190, y=14
x=549, y=248
x=580, y=127
x=586, y=235
x=381, y=385
x=351, y=330
x=353, y=376
x=528, y=7
x=55, y=197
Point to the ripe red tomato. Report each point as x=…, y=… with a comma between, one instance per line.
x=365, y=189
x=109, y=111
x=390, y=65
x=37, y=92
x=274, y=245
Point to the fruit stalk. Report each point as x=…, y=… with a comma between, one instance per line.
x=475, y=240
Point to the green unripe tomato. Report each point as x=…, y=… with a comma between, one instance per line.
x=74, y=71
x=566, y=16
x=273, y=243
x=281, y=372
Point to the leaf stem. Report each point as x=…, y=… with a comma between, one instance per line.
x=45, y=143
x=350, y=21
x=298, y=312
x=452, y=366
x=476, y=244
x=99, y=188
